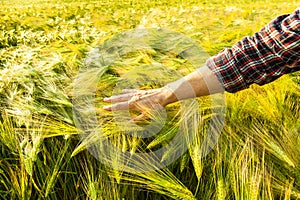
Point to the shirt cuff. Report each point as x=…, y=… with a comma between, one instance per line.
x=224, y=66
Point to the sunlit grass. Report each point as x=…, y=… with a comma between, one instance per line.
x=43, y=45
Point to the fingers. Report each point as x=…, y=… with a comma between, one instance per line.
x=125, y=106
x=117, y=106
x=140, y=100
x=127, y=95
x=141, y=117
x=131, y=103
x=123, y=101
x=119, y=98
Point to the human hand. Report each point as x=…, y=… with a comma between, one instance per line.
x=140, y=100
x=201, y=82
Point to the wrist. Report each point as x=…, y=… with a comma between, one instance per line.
x=167, y=96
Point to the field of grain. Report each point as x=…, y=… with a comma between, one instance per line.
x=43, y=47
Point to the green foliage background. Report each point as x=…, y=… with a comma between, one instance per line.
x=42, y=46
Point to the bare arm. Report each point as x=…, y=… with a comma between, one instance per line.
x=259, y=59
x=201, y=82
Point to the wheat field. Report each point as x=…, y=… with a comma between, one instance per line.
x=44, y=45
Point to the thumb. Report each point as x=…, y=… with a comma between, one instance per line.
x=141, y=117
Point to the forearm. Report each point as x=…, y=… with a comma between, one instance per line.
x=201, y=82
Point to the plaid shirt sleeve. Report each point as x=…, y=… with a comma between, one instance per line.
x=262, y=58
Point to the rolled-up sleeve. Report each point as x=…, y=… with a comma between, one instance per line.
x=261, y=58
